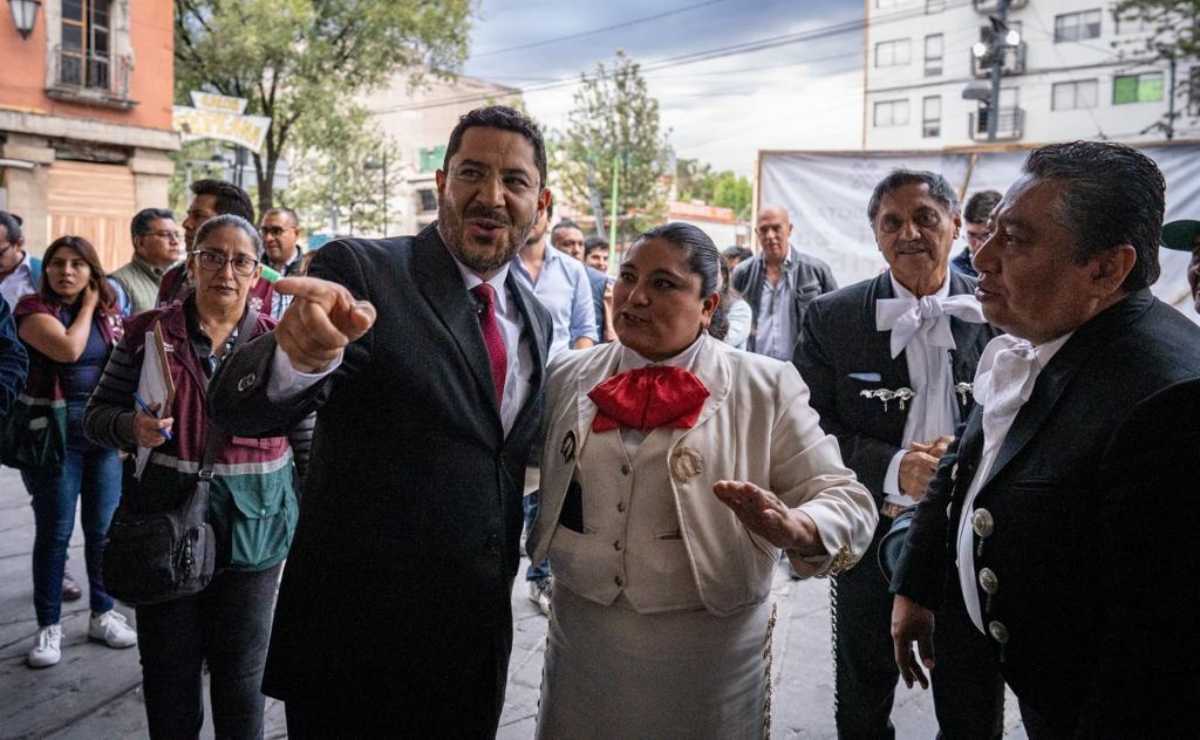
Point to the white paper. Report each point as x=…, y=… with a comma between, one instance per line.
x=152, y=390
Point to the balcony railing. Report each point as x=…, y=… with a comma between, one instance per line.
x=1014, y=62
x=991, y=6
x=1010, y=124
x=90, y=78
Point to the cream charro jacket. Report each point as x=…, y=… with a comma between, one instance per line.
x=755, y=426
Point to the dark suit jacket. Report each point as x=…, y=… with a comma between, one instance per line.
x=839, y=353
x=398, y=585
x=1094, y=500
x=598, y=282
x=14, y=361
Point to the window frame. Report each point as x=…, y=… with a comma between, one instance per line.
x=928, y=132
x=1081, y=21
x=892, y=45
x=940, y=58
x=1138, y=82
x=1075, y=86
x=892, y=105
x=93, y=68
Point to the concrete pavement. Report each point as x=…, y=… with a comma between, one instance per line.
x=95, y=692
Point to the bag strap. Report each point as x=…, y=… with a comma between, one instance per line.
x=214, y=438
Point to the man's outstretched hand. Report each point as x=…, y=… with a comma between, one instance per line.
x=322, y=319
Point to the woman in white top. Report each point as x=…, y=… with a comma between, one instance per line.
x=674, y=471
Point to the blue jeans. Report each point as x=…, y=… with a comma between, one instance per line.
x=536, y=571
x=88, y=473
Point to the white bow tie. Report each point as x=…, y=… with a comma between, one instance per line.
x=1007, y=384
x=907, y=317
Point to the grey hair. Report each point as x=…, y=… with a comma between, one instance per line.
x=939, y=189
x=228, y=220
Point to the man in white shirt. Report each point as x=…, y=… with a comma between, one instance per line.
x=1064, y=517
x=20, y=272
x=424, y=357
x=888, y=362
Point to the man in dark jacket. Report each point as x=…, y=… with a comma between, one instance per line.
x=779, y=284
x=424, y=357
x=1065, y=516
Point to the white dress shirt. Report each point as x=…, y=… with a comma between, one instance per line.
x=935, y=407
x=1001, y=389
x=775, y=336
x=19, y=282
x=286, y=381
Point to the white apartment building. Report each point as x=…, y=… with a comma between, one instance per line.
x=1078, y=72
x=420, y=122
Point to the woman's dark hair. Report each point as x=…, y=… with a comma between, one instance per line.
x=84, y=248
x=703, y=260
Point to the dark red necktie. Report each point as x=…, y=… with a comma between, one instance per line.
x=648, y=398
x=492, y=338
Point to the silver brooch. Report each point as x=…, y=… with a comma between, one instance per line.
x=962, y=389
x=886, y=395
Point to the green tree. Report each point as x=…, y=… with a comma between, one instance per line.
x=302, y=62
x=615, y=118
x=696, y=180
x=344, y=176
x=1172, y=34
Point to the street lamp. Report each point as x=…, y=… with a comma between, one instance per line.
x=24, y=14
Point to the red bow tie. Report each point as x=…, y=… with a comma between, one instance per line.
x=648, y=398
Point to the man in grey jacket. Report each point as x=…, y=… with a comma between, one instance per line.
x=778, y=284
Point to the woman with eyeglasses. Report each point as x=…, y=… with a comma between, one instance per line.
x=69, y=326
x=253, y=503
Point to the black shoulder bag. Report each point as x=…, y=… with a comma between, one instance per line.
x=151, y=558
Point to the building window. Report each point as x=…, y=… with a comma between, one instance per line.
x=931, y=117
x=1077, y=26
x=432, y=158
x=935, y=44
x=895, y=53
x=1074, y=95
x=85, y=52
x=889, y=113
x=1132, y=23
x=1144, y=88
x=428, y=200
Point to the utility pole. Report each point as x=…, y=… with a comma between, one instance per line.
x=999, y=50
x=1171, y=99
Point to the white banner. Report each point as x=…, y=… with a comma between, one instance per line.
x=827, y=193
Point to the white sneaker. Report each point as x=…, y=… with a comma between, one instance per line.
x=48, y=649
x=112, y=629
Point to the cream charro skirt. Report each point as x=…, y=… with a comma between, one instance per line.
x=612, y=673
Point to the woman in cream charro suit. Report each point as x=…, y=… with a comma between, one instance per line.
x=674, y=470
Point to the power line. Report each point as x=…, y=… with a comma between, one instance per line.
x=595, y=31
x=747, y=47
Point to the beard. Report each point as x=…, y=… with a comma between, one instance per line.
x=481, y=256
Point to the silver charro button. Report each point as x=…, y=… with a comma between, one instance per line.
x=988, y=581
x=625, y=469
x=954, y=473
x=983, y=523
x=246, y=382
x=998, y=631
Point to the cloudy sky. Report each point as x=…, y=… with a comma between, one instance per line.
x=802, y=91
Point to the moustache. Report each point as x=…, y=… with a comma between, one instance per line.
x=500, y=217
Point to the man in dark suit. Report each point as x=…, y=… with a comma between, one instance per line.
x=425, y=359
x=889, y=363
x=1065, y=515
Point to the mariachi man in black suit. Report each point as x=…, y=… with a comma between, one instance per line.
x=1066, y=517
x=394, y=613
x=889, y=362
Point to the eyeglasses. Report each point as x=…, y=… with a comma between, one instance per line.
x=171, y=236
x=274, y=230
x=243, y=264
